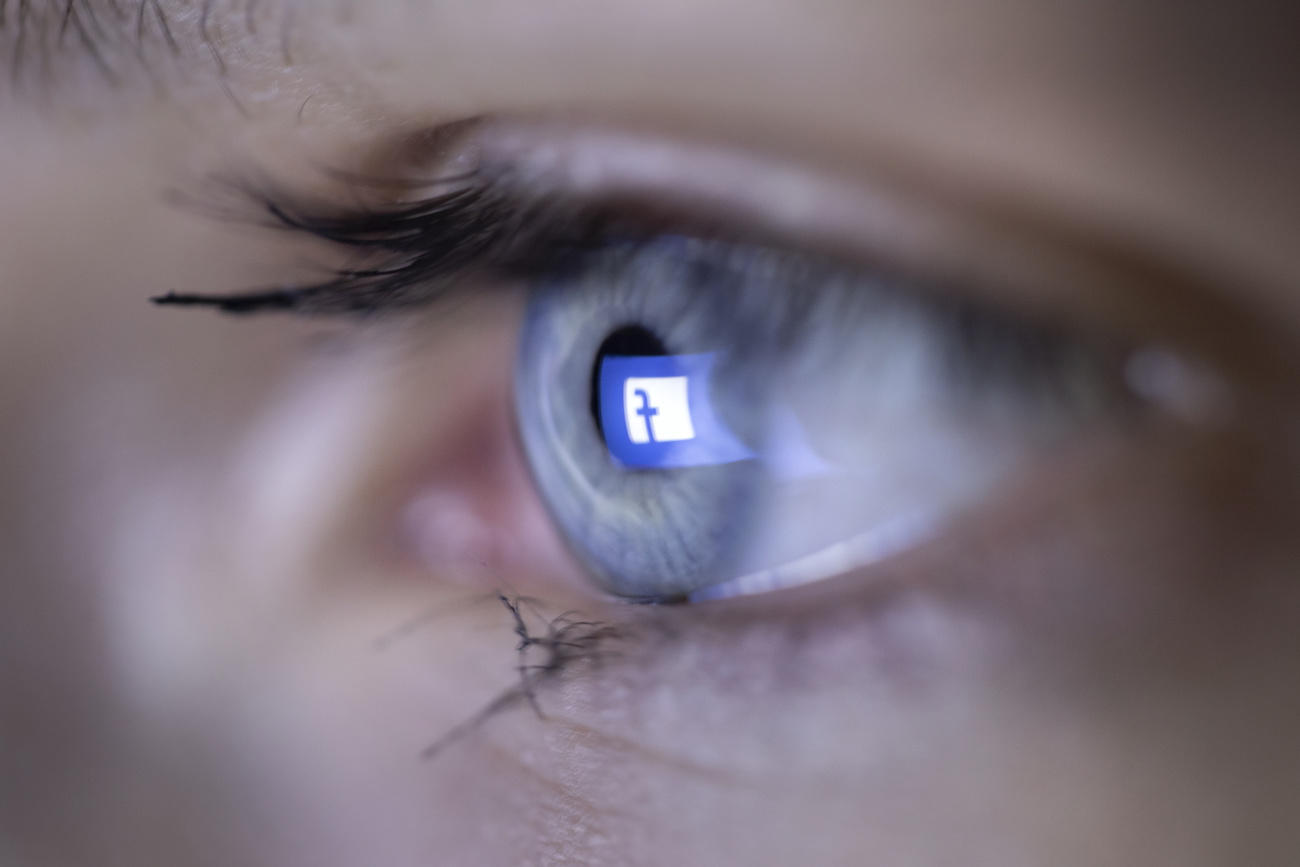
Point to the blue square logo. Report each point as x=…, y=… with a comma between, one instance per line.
x=655, y=412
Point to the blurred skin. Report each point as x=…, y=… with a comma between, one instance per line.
x=212, y=527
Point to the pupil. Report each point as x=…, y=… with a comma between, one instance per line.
x=629, y=340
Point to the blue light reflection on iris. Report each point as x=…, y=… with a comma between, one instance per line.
x=656, y=413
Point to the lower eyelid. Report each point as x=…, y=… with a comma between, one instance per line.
x=1051, y=610
x=996, y=571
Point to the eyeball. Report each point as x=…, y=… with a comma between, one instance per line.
x=706, y=419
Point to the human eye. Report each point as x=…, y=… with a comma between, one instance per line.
x=716, y=402
x=708, y=420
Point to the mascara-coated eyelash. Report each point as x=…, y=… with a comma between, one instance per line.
x=408, y=255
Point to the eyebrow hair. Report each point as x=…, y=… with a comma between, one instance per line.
x=48, y=41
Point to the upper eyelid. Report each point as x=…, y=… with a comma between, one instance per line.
x=899, y=219
x=953, y=243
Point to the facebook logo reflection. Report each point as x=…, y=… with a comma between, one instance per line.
x=658, y=409
x=656, y=412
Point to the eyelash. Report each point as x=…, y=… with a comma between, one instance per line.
x=410, y=255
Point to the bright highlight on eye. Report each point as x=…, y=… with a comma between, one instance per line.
x=708, y=419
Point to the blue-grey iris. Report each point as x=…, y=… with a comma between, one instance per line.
x=853, y=410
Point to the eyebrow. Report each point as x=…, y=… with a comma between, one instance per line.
x=121, y=41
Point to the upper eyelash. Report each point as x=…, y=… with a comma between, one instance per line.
x=406, y=255
x=500, y=223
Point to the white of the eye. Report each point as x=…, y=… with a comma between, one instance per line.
x=873, y=546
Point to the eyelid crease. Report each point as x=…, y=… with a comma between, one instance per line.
x=536, y=186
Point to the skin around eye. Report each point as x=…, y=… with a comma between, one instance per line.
x=220, y=644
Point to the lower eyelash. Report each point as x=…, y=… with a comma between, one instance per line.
x=566, y=643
